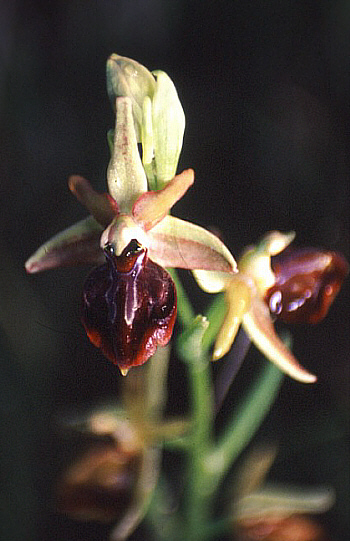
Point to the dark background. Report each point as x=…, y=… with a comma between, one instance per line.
x=265, y=88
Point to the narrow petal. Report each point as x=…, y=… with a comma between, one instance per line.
x=125, y=175
x=238, y=298
x=258, y=325
x=275, y=242
x=101, y=205
x=152, y=207
x=75, y=245
x=177, y=243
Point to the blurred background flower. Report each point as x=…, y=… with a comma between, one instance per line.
x=267, y=512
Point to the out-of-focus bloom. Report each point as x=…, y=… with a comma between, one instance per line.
x=263, y=512
x=113, y=477
x=299, y=286
x=129, y=303
x=99, y=484
x=296, y=527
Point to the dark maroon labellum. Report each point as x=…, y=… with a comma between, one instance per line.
x=307, y=281
x=129, y=306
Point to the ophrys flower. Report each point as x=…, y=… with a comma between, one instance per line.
x=299, y=286
x=129, y=304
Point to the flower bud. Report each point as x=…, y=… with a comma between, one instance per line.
x=126, y=77
x=157, y=112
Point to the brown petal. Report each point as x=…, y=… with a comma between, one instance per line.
x=129, y=306
x=99, y=486
x=101, y=205
x=307, y=282
x=79, y=244
x=151, y=207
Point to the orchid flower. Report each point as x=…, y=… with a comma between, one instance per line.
x=271, y=512
x=113, y=476
x=296, y=287
x=129, y=302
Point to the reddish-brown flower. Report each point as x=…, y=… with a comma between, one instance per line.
x=129, y=306
x=99, y=485
x=306, y=283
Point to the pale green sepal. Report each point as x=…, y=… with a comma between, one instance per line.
x=126, y=77
x=75, y=245
x=168, y=121
x=256, y=260
x=110, y=141
x=258, y=325
x=147, y=143
x=283, y=502
x=211, y=281
x=147, y=131
x=177, y=243
x=125, y=175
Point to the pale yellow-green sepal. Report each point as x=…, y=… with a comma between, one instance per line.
x=168, y=121
x=177, y=243
x=125, y=175
x=283, y=502
x=256, y=260
x=78, y=244
x=258, y=325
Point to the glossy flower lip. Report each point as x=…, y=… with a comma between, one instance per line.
x=129, y=306
x=129, y=212
x=246, y=305
x=306, y=283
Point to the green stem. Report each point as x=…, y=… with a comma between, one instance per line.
x=185, y=311
x=244, y=422
x=198, y=502
x=215, y=315
x=166, y=525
